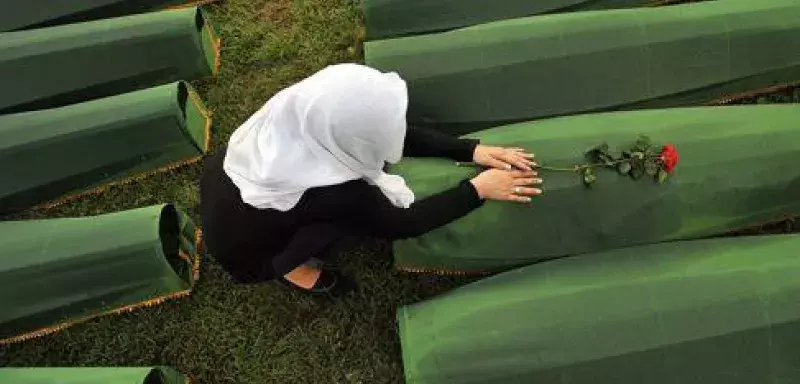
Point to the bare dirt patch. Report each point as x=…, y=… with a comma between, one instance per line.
x=278, y=12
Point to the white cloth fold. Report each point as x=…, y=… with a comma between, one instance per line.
x=343, y=123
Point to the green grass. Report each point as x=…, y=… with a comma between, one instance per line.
x=226, y=333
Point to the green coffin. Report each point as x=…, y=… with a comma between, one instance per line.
x=696, y=312
x=56, y=273
x=43, y=13
x=738, y=168
x=56, y=66
x=393, y=18
x=516, y=70
x=115, y=375
x=69, y=150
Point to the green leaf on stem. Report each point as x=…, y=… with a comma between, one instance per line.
x=598, y=153
x=651, y=166
x=626, y=154
x=624, y=167
x=607, y=160
x=637, y=170
x=589, y=177
x=662, y=176
x=638, y=155
x=643, y=144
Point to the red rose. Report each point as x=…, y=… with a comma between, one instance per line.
x=669, y=157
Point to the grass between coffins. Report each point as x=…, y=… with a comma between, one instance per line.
x=226, y=333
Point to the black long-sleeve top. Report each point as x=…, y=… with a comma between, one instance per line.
x=259, y=244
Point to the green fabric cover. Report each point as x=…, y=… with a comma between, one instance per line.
x=62, y=65
x=109, y=375
x=516, y=70
x=28, y=14
x=54, y=152
x=393, y=18
x=695, y=312
x=54, y=273
x=738, y=168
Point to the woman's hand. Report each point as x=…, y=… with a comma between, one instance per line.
x=503, y=158
x=496, y=184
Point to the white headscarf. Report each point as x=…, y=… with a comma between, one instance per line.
x=341, y=124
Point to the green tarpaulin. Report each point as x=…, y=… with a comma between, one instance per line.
x=738, y=168
x=553, y=65
x=55, y=273
x=393, y=18
x=28, y=14
x=56, y=66
x=697, y=312
x=110, y=375
x=49, y=153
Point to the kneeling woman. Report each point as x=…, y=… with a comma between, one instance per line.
x=307, y=170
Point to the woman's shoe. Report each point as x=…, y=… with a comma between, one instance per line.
x=329, y=283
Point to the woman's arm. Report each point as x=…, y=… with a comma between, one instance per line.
x=363, y=207
x=359, y=205
x=384, y=220
x=422, y=142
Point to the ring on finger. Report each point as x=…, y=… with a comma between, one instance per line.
x=517, y=190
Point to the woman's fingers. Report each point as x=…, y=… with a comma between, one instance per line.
x=523, y=190
x=521, y=163
x=507, y=162
x=518, y=161
x=522, y=152
x=518, y=198
x=500, y=164
x=526, y=191
x=527, y=181
x=514, y=185
x=508, y=159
